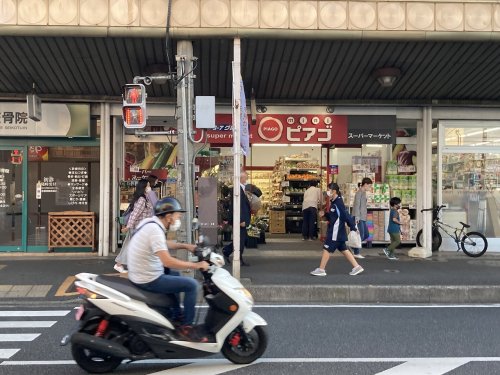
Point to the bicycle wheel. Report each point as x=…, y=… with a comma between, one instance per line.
x=437, y=239
x=474, y=244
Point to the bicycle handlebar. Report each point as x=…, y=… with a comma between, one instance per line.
x=437, y=208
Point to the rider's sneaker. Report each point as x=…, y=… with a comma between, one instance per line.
x=189, y=333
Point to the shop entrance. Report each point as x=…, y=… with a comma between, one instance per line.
x=13, y=173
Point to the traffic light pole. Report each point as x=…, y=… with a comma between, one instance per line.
x=185, y=104
x=184, y=83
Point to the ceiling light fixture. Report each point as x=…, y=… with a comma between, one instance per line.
x=386, y=76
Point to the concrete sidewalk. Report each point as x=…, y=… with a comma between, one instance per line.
x=279, y=272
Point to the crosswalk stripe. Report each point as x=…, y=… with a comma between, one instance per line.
x=7, y=353
x=427, y=366
x=27, y=324
x=35, y=313
x=18, y=337
x=215, y=367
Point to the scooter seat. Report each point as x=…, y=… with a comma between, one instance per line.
x=124, y=286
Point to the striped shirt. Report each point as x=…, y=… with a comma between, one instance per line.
x=142, y=210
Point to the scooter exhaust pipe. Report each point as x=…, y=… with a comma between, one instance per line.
x=100, y=345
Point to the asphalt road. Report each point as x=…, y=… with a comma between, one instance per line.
x=354, y=339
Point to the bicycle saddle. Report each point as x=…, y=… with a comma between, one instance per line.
x=465, y=225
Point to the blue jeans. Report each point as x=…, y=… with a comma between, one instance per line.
x=173, y=283
x=363, y=233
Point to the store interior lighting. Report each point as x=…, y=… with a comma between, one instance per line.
x=386, y=76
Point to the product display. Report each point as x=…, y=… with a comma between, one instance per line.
x=471, y=172
x=290, y=179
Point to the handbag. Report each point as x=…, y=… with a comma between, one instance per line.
x=354, y=239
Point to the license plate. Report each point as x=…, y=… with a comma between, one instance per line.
x=79, y=312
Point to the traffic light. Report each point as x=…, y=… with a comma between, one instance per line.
x=134, y=106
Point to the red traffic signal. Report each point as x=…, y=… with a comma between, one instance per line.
x=134, y=106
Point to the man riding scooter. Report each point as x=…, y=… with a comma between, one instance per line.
x=150, y=263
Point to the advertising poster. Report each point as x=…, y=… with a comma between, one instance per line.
x=145, y=158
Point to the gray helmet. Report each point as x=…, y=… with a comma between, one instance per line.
x=167, y=205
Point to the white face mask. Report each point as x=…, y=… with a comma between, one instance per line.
x=148, y=189
x=329, y=193
x=175, y=226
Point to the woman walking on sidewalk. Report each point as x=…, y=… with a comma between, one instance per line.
x=336, y=236
x=360, y=211
x=142, y=209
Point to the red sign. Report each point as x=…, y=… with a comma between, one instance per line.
x=289, y=129
x=286, y=129
x=38, y=153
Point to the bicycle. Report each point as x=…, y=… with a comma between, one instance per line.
x=474, y=244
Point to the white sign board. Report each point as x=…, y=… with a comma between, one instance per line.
x=59, y=120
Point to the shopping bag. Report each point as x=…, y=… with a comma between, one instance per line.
x=354, y=239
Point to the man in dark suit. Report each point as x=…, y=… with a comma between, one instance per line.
x=244, y=221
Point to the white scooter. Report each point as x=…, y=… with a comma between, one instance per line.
x=119, y=321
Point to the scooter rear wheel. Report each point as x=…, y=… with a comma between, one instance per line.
x=242, y=351
x=92, y=361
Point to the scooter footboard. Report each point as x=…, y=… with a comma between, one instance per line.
x=251, y=320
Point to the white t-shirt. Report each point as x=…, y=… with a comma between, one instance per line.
x=143, y=262
x=312, y=198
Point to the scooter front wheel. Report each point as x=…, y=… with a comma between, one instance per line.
x=243, y=348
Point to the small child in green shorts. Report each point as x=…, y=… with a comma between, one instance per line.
x=394, y=228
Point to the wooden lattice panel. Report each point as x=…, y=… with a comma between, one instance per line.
x=71, y=229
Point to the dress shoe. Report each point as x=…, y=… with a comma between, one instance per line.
x=245, y=264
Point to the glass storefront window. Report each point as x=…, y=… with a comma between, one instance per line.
x=472, y=137
x=67, y=179
x=471, y=189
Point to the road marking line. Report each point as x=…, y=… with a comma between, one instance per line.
x=18, y=337
x=7, y=353
x=428, y=366
x=215, y=367
x=35, y=313
x=33, y=363
x=269, y=360
x=2, y=266
x=62, y=290
x=354, y=306
x=27, y=324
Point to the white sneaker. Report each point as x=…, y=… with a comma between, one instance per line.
x=386, y=252
x=358, y=256
x=120, y=269
x=356, y=271
x=318, y=272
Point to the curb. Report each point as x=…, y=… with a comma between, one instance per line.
x=466, y=294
